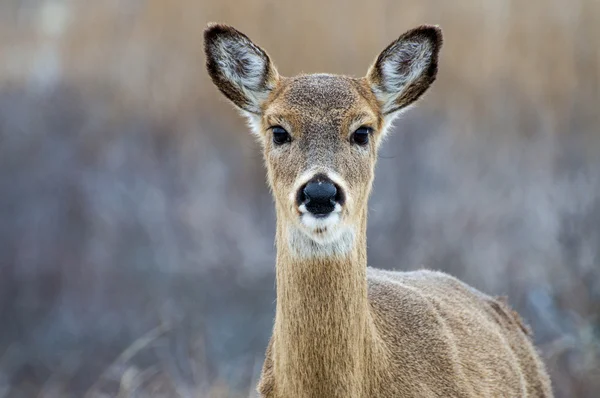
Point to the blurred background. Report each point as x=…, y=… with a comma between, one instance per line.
x=136, y=228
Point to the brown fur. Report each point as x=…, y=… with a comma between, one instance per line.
x=343, y=329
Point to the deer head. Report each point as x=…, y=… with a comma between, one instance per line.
x=320, y=133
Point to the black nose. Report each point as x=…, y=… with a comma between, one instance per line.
x=320, y=196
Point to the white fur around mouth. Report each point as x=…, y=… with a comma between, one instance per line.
x=320, y=224
x=320, y=236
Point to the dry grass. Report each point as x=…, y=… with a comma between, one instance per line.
x=548, y=52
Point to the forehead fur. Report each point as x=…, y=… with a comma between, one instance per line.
x=323, y=94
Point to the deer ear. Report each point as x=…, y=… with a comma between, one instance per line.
x=239, y=68
x=406, y=68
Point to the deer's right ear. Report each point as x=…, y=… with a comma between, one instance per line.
x=239, y=68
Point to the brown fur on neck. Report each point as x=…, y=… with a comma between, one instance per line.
x=322, y=327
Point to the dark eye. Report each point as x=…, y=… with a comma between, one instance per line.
x=280, y=136
x=361, y=136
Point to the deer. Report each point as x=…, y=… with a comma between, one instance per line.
x=341, y=328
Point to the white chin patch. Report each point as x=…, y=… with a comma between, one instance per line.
x=321, y=236
x=320, y=228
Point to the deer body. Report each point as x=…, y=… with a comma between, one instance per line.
x=343, y=329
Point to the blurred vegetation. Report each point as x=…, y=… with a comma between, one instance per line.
x=136, y=242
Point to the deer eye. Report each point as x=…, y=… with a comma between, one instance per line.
x=280, y=136
x=361, y=136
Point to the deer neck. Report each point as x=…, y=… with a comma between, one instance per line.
x=323, y=324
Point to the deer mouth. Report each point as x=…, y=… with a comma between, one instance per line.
x=320, y=223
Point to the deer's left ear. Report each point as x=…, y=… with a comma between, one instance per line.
x=406, y=68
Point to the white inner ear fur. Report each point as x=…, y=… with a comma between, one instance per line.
x=407, y=61
x=229, y=54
